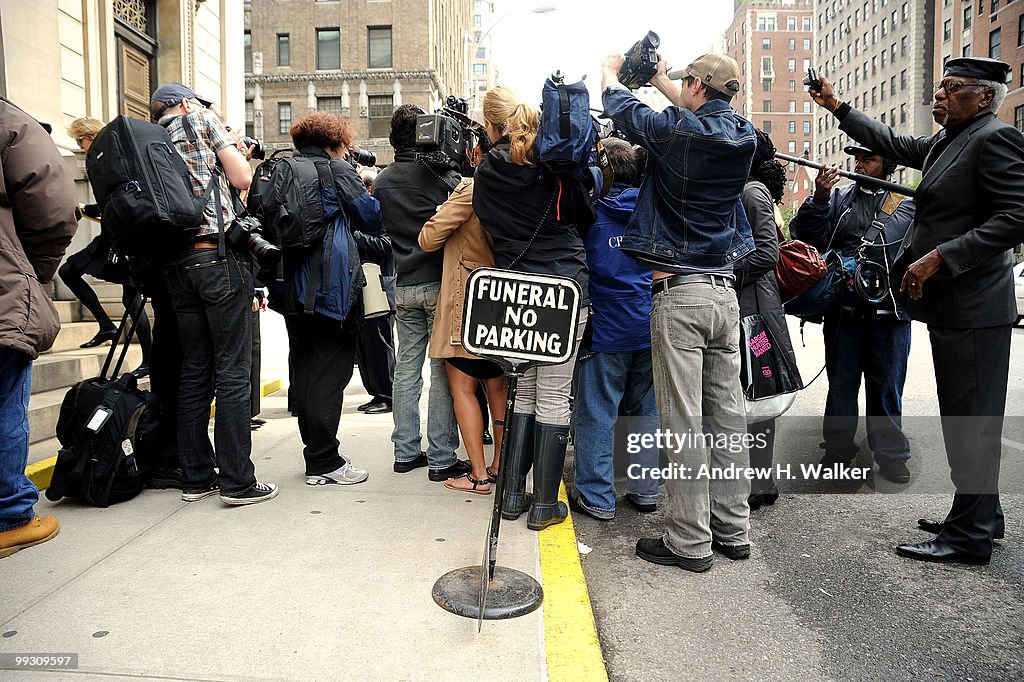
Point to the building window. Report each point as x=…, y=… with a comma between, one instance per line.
x=250, y=119
x=284, y=49
x=792, y=127
x=966, y=51
x=792, y=106
x=766, y=43
x=807, y=44
x=767, y=105
x=767, y=126
x=807, y=23
x=792, y=44
x=379, y=39
x=807, y=106
x=331, y=105
x=791, y=65
x=284, y=117
x=381, y=109
x=792, y=86
x=791, y=148
x=1020, y=30
x=766, y=64
x=807, y=127
x=906, y=11
x=328, y=48
x=479, y=69
x=968, y=16
x=247, y=47
x=994, y=40
x=995, y=6
x=947, y=29
x=903, y=80
x=481, y=53
x=1018, y=118
x=903, y=113
x=791, y=23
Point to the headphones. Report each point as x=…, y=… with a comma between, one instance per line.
x=870, y=279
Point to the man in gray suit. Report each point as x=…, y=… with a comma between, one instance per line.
x=970, y=212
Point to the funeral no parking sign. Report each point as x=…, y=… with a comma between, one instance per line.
x=520, y=316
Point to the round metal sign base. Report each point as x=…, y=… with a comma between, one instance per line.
x=511, y=594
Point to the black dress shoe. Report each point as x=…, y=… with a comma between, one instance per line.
x=933, y=526
x=894, y=470
x=102, y=336
x=406, y=467
x=830, y=459
x=488, y=440
x=362, y=408
x=642, y=507
x=940, y=552
x=378, y=407
x=460, y=467
x=734, y=552
x=655, y=551
x=257, y=421
x=755, y=501
x=165, y=478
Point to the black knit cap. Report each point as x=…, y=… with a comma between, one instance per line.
x=981, y=68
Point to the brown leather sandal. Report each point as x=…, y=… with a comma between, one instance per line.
x=473, y=481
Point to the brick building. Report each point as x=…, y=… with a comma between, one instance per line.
x=359, y=58
x=772, y=40
x=878, y=55
x=985, y=28
x=484, y=69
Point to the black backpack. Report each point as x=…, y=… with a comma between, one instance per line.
x=285, y=195
x=107, y=427
x=144, y=189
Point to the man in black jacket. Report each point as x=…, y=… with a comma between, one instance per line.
x=409, y=193
x=970, y=212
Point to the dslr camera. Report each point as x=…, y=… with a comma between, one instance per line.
x=358, y=155
x=448, y=138
x=641, y=62
x=244, y=235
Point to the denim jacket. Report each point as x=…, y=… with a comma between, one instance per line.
x=688, y=212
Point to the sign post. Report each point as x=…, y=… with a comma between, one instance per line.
x=517, y=320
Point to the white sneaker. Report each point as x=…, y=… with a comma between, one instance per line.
x=346, y=475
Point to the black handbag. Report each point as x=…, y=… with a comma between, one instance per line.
x=765, y=371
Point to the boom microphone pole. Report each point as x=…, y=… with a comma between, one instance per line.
x=856, y=177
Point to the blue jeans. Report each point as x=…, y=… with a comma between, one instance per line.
x=876, y=347
x=17, y=494
x=212, y=298
x=607, y=380
x=416, y=304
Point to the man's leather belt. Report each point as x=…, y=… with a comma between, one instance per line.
x=667, y=283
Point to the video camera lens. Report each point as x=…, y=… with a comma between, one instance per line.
x=362, y=157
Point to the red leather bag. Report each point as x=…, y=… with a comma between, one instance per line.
x=799, y=267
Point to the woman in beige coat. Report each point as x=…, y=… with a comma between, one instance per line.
x=466, y=247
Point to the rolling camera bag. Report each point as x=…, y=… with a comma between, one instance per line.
x=285, y=197
x=143, y=188
x=107, y=427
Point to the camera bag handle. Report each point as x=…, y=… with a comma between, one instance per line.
x=139, y=311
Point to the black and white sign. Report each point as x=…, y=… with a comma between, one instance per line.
x=520, y=316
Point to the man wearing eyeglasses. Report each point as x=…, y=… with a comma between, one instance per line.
x=970, y=212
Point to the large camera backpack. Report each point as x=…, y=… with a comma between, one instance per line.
x=107, y=427
x=144, y=188
x=567, y=141
x=285, y=196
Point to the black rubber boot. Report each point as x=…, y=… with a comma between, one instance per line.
x=520, y=459
x=549, y=458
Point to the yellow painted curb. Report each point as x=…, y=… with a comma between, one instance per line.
x=570, y=634
x=41, y=473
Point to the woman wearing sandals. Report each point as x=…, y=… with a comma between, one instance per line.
x=466, y=247
x=534, y=223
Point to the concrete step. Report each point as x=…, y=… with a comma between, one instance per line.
x=69, y=311
x=114, y=310
x=73, y=335
x=60, y=370
x=44, y=409
x=43, y=450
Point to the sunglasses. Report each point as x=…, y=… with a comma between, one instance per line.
x=952, y=87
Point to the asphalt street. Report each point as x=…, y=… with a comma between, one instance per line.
x=823, y=596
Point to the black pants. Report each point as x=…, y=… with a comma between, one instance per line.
x=322, y=354
x=71, y=275
x=255, y=366
x=375, y=353
x=165, y=368
x=972, y=368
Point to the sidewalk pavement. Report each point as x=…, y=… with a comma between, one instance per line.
x=322, y=583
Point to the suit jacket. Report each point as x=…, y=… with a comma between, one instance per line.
x=970, y=206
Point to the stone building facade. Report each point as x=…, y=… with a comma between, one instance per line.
x=63, y=59
x=878, y=55
x=772, y=40
x=358, y=58
x=985, y=28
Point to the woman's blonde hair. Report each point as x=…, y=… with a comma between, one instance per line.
x=516, y=120
x=84, y=127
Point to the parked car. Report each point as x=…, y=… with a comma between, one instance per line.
x=1018, y=290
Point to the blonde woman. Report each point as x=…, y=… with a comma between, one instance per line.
x=532, y=220
x=466, y=248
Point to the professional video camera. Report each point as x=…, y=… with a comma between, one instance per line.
x=449, y=138
x=641, y=62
